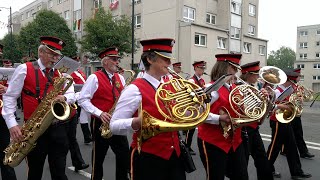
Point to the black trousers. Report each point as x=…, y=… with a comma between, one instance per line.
x=118, y=144
x=283, y=134
x=75, y=152
x=189, y=136
x=215, y=161
x=54, y=143
x=145, y=166
x=253, y=145
x=7, y=172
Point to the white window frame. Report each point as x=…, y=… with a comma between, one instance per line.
x=318, y=32
x=135, y=1
x=303, y=56
x=251, y=30
x=235, y=7
x=212, y=18
x=136, y=23
x=300, y=66
x=97, y=3
x=303, y=33
x=262, y=50
x=252, y=10
x=235, y=32
x=316, y=66
x=317, y=55
x=316, y=77
x=301, y=78
x=66, y=14
x=190, y=15
x=200, y=37
x=22, y=17
x=303, y=45
x=222, y=43
x=28, y=14
x=247, y=47
x=50, y=3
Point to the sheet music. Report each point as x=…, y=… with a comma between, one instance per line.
x=66, y=65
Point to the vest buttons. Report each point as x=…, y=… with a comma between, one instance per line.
x=172, y=147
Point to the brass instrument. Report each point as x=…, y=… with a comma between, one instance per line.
x=186, y=107
x=286, y=116
x=1, y=103
x=39, y=121
x=105, y=127
x=306, y=93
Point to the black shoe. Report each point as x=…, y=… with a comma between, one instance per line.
x=88, y=140
x=283, y=154
x=276, y=174
x=301, y=176
x=192, y=152
x=82, y=166
x=307, y=155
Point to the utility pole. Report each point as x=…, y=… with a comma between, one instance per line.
x=10, y=30
x=132, y=31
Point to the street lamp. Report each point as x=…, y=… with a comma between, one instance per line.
x=10, y=25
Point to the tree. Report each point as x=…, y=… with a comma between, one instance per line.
x=46, y=23
x=106, y=31
x=283, y=58
x=11, y=49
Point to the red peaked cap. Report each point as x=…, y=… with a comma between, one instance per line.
x=233, y=59
x=162, y=46
x=291, y=74
x=200, y=64
x=252, y=67
x=7, y=62
x=53, y=43
x=178, y=64
x=111, y=52
x=297, y=70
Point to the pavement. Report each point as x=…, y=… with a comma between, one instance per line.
x=311, y=126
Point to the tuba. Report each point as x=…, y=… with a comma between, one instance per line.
x=186, y=106
x=105, y=127
x=39, y=121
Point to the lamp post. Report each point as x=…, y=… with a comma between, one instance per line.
x=132, y=31
x=10, y=26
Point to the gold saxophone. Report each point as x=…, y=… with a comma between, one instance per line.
x=104, y=128
x=40, y=120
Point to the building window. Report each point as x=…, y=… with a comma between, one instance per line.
x=136, y=1
x=200, y=39
x=300, y=66
x=303, y=45
x=39, y=7
x=22, y=17
x=316, y=66
x=251, y=30
x=235, y=32
x=189, y=14
x=137, y=21
x=59, y=1
x=252, y=10
x=303, y=33
x=246, y=47
x=262, y=50
x=28, y=14
x=235, y=7
x=304, y=56
x=50, y=4
x=318, y=43
x=317, y=55
x=97, y=4
x=302, y=78
x=318, y=32
x=67, y=14
x=112, y=1
x=316, y=77
x=211, y=19
x=222, y=43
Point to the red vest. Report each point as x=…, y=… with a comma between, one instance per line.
x=163, y=144
x=103, y=98
x=212, y=133
x=77, y=79
x=6, y=85
x=273, y=116
x=30, y=103
x=199, y=82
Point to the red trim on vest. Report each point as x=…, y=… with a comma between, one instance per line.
x=161, y=144
x=212, y=133
x=77, y=79
x=201, y=81
x=4, y=83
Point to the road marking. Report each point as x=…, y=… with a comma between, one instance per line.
x=308, y=142
x=81, y=172
x=311, y=147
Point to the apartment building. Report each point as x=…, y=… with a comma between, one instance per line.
x=308, y=55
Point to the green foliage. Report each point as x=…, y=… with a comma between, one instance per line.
x=283, y=58
x=105, y=31
x=11, y=50
x=46, y=23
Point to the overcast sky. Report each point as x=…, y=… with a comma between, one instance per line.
x=278, y=19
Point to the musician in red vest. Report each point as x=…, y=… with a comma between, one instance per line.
x=80, y=78
x=214, y=148
x=253, y=144
x=159, y=155
x=176, y=68
x=34, y=80
x=7, y=172
x=97, y=97
x=282, y=133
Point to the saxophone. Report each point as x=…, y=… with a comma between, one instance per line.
x=39, y=122
x=104, y=128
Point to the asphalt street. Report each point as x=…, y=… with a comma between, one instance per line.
x=311, y=126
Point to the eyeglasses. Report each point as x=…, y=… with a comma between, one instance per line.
x=51, y=55
x=114, y=58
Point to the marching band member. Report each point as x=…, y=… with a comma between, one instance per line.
x=298, y=131
x=7, y=172
x=250, y=133
x=97, y=97
x=80, y=78
x=34, y=80
x=282, y=133
x=176, y=68
x=159, y=155
x=199, y=67
x=214, y=148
